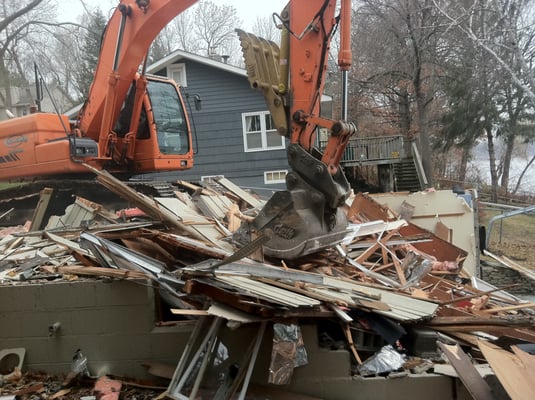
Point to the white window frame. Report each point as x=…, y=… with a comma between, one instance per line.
x=282, y=179
x=177, y=72
x=263, y=133
x=211, y=179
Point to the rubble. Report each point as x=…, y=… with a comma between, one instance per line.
x=389, y=278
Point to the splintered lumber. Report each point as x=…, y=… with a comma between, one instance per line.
x=472, y=380
x=514, y=370
x=511, y=264
x=97, y=271
x=242, y=194
x=145, y=203
x=347, y=332
x=40, y=209
x=510, y=308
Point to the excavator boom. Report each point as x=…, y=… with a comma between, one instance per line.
x=127, y=38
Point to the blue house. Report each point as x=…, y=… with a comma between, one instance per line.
x=233, y=132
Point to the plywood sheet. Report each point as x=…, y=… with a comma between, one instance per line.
x=514, y=370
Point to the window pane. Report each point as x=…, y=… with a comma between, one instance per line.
x=273, y=139
x=253, y=123
x=169, y=118
x=254, y=141
x=269, y=122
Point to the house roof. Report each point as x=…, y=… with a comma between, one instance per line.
x=178, y=55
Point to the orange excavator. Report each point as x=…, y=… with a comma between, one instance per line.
x=132, y=123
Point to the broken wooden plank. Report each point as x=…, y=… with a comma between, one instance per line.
x=248, y=198
x=511, y=264
x=145, y=203
x=96, y=271
x=40, y=209
x=268, y=292
x=69, y=244
x=513, y=372
x=509, y=308
x=472, y=380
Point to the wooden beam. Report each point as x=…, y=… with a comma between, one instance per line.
x=472, y=380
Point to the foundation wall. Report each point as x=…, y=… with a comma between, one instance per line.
x=112, y=323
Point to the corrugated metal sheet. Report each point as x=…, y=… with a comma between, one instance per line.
x=402, y=308
x=268, y=292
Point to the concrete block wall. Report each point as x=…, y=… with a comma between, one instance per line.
x=111, y=322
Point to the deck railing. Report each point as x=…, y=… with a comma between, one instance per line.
x=372, y=150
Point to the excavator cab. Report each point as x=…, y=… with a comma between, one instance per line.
x=158, y=136
x=130, y=124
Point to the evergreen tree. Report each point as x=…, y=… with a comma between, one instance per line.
x=91, y=49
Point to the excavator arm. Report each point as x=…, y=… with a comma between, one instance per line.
x=307, y=217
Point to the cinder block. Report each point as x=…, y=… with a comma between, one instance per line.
x=116, y=319
x=116, y=293
x=18, y=297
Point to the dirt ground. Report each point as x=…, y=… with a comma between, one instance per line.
x=522, y=252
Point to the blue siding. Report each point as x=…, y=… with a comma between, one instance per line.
x=218, y=136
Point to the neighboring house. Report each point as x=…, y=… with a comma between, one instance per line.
x=23, y=100
x=20, y=102
x=233, y=132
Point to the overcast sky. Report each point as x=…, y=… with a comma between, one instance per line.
x=248, y=10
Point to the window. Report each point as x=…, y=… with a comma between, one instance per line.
x=169, y=118
x=259, y=132
x=272, y=177
x=211, y=179
x=177, y=72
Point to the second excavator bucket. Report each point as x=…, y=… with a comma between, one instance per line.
x=263, y=66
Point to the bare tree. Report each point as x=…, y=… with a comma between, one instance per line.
x=14, y=24
x=265, y=27
x=399, y=54
x=215, y=28
x=205, y=29
x=30, y=34
x=178, y=34
x=511, y=17
x=503, y=32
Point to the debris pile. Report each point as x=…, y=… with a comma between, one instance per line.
x=389, y=279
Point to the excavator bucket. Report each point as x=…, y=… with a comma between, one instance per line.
x=262, y=63
x=299, y=221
